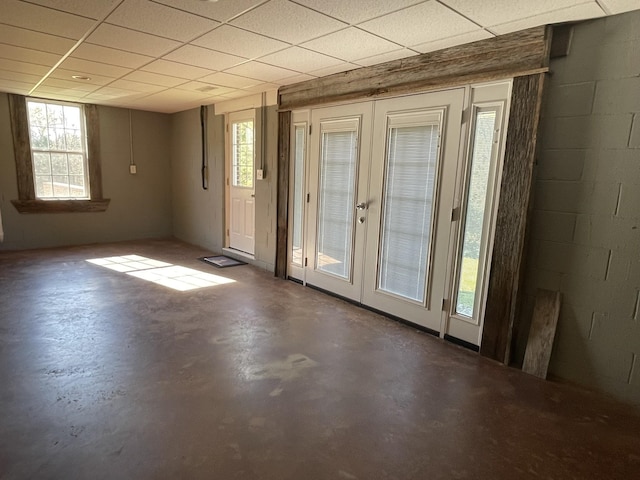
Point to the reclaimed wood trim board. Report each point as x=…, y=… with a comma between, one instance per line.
x=546, y=311
x=284, y=127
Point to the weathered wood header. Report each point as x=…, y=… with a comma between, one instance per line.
x=512, y=55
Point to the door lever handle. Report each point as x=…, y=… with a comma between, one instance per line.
x=361, y=206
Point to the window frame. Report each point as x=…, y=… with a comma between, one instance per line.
x=27, y=201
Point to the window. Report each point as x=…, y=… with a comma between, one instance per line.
x=58, y=150
x=57, y=154
x=243, y=154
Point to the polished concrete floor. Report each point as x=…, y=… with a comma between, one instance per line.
x=104, y=375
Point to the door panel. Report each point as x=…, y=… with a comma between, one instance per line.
x=413, y=171
x=337, y=182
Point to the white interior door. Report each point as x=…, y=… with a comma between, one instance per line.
x=338, y=183
x=413, y=172
x=241, y=181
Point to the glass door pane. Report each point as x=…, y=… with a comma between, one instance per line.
x=476, y=209
x=338, y=164
x=409, y=190
x=242, y=151
x=298, y=192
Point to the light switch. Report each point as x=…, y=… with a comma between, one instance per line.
x=259, y=174
x=132, y=169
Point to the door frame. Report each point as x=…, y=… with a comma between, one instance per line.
x=229, y=118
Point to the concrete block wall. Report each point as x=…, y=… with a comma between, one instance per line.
x=585, y=228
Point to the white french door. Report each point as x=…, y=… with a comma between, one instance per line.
x=240, y=181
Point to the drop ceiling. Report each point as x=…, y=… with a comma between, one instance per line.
x=172, y=55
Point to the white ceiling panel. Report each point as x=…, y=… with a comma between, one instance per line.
x=88, y=67
x=154, y=79
x=29, y=56
x=12, y=86
x=350, y=44
x=453, y=41
x=359, y=11
x=174, y=69
x=287, y=21
x=261, y=71
x=236, y=41
x=132, y=41
x=19, y=77
x=262, y=87
x=160, y=20
x=58, y=93
x=300, y=59
x=69, y=84
x=16, y=66
x=494, y=12
x=221, y=11
x=21, y=37
x=136, y=86
x=203, y=57
x=205, y=88
x=385, y=57
x=114, y=92
x=619, y=6
x=409, y=26
x=229, y=80
x=579, y=12
x=87, y=8
x=95, y=79
x=302, y=77
x=45, y=20
x=90, y=51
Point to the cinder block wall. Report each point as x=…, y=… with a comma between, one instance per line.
x=585, y=231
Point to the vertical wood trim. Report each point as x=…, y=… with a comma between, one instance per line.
x=508, y=249
x=93, y=151
x=284, y=127
x=22, y=147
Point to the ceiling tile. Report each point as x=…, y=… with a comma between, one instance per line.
x=236, y=41
x=356, y=12
x=261, y=71
x=160, y=20
x=303, y=77
x=385, y=57
x=85, y=66
x=221, y=11
x=261, y=87
x=16, y=66
x=154, y=79
x=494, y=12
x=46, y=20
x=21, y=37
x=29, y=56
x=287, y=21
x=11, y=86
x=343, y=67
x=350, y=44
x=87, y=8
x=408, y=27
x=74, y=85
x=579, y=12
x=205, y=88
x=619, y=6
x=453, y=41
x=136, y=86
x=58, y=93
x=19, y=77
x=174, y=69
x=98, y=53
x=95, y=79
x=132, y=41
x=300, y=59
x=203, y=57
x=229, y=80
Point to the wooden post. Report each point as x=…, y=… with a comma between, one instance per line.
x=284, y=126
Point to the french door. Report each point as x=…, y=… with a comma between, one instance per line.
x=398, y=209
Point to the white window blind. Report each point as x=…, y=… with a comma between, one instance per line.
x=411, y=165
x=338, y=164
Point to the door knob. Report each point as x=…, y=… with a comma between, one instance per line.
x=361, y=206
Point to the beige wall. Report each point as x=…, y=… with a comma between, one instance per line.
x=140, y=204
x=585, y=233
x=199, y=215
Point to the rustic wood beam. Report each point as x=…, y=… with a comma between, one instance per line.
x=21, y=147
x=284, y=127
x=509, y=241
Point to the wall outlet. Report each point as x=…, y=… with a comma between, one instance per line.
x=259, y=174
x=133, y=169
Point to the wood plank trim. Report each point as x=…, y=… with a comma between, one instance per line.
x=511, y=220
x=542, y=332
x=93, y=151
x=60, y=206
x=500, y=57
x=21, y=146
x=284, y=127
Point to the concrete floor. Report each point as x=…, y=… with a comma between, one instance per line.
x=107, y=376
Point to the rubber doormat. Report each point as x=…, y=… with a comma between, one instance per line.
x=221, y=261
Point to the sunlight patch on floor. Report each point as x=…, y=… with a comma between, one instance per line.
x=166, y=274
